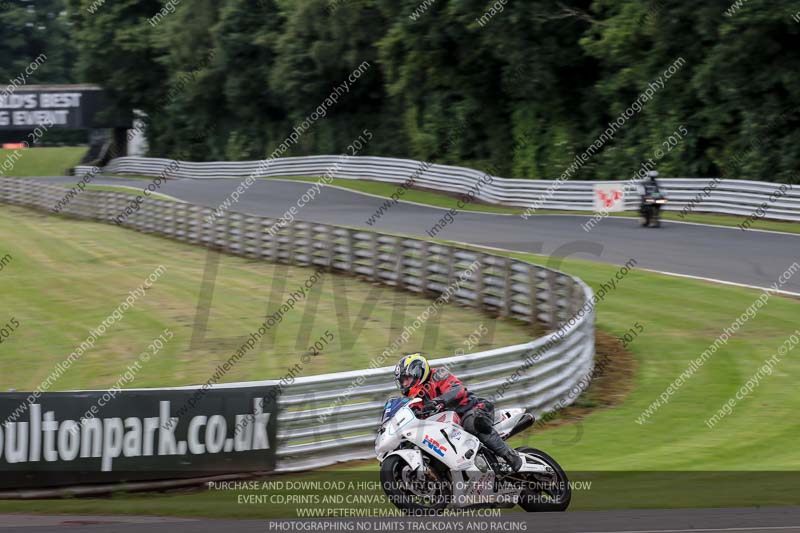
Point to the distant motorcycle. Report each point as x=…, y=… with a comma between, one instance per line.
x=650, y=209
x=429, y=464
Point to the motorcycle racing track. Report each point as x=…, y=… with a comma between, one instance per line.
x=725, y=254
x=751, y=258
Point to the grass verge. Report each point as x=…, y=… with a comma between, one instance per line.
x=679, y=319
x=64, y=277
x=52, y=161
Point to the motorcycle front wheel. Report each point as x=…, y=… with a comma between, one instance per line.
x=545, y=493
x=430, y=495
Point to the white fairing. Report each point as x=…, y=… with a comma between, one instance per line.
x=413, y=457
x=391, y=434
x=440, y=437
x=445, y=441
x=506, y=419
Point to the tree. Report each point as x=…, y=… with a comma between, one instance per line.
x=34, y=43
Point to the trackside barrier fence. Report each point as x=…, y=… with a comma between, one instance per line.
x=330, y=418
x=725, y=196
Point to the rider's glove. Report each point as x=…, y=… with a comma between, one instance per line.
x=433, y=406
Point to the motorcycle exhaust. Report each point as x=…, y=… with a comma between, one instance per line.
x=524, y=423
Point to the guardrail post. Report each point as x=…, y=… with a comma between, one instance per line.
x=480, y=285
x=330, y=246
x=533, y=290
x=451, y=259
x=293, y=234
x=400, y=264
x=255, y=238
x=275, y=242
x=423, y=274
x=375, y=254
x=351, y=257
x=505, y=310
x=226, y=235
x=309, y=247
x=552, y=283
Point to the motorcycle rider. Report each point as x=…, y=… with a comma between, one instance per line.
x=649, y=189
x=650, y=186
x=440, y=390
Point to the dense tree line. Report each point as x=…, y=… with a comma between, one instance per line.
x=29, y=31
x=537, y=83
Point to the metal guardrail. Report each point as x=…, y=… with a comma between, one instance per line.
x=310, y=433
x=736, y=197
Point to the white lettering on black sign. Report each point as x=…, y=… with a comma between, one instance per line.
x=35, y=110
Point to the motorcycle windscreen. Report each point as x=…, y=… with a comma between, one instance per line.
x=392, y=406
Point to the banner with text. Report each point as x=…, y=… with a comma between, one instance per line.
x=65, y=438
x=28, y=108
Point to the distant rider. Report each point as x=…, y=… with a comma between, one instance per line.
x=442, y=391
x=650, y=186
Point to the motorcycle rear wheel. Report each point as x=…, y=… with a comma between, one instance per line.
x=400, y=485
x=542, y=494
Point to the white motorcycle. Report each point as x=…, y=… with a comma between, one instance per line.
x=456, y=471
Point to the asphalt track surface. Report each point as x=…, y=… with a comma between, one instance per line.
x=730, y=255
x=755, y=258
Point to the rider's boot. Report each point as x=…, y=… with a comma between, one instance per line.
x=514, y=460
x=495, y=442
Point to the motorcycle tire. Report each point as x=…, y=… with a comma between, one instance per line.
x=391, y=481
x=532, y=500
x=645, y=218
